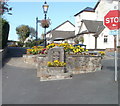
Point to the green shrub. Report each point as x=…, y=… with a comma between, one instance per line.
x=33, y=43
x=4, y=32
x=20, y=44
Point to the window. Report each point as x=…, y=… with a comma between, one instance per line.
x=105, y=38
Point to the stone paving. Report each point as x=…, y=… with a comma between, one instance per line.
x=21, y=86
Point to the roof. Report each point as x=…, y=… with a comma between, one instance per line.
x=62, y=34
x=87, y=9
x=61, y=25
x=97, y=26
x=96, y=4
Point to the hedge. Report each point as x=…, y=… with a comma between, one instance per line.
x=4, y=32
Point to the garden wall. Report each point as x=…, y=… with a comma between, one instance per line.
x=83, y=63
x=75, y=64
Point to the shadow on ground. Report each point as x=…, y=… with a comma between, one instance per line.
x=13, y=52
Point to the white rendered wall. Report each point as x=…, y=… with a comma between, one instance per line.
x=102, y=9
x=103, y=45
x=89, y=41
x=66, y=27
x=71, y=41
x=85, y=16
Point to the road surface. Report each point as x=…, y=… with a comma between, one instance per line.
x=21, y=86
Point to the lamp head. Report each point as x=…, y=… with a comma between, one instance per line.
x=45, y=7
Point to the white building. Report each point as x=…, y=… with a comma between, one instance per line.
x=65, y=32
x=89, y=18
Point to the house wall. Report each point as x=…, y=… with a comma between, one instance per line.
x=102, y=44
x=71, y=41
x=80, y=17
x=89, y=40
x=102, y=9
x=65, y=27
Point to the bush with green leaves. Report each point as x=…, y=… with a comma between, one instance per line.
x=33, y=43
x=20, y=44
x=23, y=32
x=4, y=32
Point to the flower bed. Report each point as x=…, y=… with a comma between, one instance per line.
x=67, y=47
x=37, y=50
x=75, y=60
x=56, y=63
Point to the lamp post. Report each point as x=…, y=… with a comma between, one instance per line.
x=37, y=21
x=45, y=9
x=36, y=28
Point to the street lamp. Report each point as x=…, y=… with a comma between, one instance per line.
x=37, y=21
x=36, y=28
x=45, y=9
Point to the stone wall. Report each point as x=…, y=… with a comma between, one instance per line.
x=31, y=59
x=75, y=64
x=83, y=64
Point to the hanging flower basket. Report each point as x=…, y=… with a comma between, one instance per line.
x=45, y=23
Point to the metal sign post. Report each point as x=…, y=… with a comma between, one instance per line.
x=115, y=34
x=115, y=47
x=112, y=22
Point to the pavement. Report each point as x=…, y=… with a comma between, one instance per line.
x=21, y=86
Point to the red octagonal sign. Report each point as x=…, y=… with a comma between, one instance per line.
x=112, y=20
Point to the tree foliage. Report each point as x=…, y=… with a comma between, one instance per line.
x=81, y=39
x=76, y=40
x=32, y=32
x=23, y=32
x=4, y=7
x=4, y=32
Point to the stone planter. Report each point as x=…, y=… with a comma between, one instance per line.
x=77, y=64
x=56, y=70
x=31, y=59
x=54, y=73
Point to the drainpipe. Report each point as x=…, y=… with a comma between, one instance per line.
x=95, y=41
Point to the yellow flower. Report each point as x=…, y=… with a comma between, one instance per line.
x=102, y=52
x=56, y=61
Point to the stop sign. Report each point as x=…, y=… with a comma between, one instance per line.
x=112, y=19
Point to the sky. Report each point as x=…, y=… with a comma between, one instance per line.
x=25, y=13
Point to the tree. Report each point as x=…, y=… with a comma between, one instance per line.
x=32, y=32
x=4, y=32
x=4, y=7
x=81, y=39
x=23, y=32
x=42, y=36
x=4, y=25
x=76, y=40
